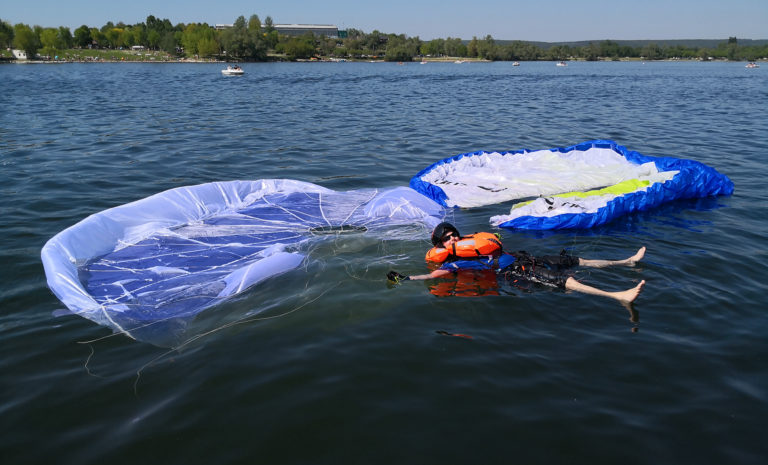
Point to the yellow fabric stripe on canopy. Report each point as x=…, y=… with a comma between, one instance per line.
x=624, y=187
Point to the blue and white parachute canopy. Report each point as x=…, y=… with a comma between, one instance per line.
x=581, y=186
x=181, y=251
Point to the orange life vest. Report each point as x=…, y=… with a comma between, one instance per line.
x=472, y=246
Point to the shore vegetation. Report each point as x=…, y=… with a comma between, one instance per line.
x=255, y=40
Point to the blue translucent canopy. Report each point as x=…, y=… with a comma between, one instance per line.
x=179, y=252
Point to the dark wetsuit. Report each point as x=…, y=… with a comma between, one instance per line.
x=547, y=269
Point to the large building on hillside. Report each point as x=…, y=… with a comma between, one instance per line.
x=301, y=29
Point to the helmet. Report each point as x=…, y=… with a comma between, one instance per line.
x=440, y=231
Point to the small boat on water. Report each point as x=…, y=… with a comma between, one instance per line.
x=752, y=64
x=232, y=71
x=562, y=63
x=517, y=63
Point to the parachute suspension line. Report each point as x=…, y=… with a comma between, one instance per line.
x=222, y=327
x=280, y=207
x=88, y=360
x=360, y=204
x=320, y=207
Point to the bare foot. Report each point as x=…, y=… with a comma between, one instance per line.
x=629, y=296
x=631, y=261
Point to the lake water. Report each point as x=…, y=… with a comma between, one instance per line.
x=330, y=365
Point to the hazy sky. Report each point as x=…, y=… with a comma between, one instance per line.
x=535, y=20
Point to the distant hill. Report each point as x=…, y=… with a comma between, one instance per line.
x=690, y=43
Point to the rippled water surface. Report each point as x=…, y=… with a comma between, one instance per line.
x=328, y=364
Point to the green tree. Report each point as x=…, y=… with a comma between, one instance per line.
x=353, y=45
x=453, y=47
x=153, y=39
x=753, y=53
x=113, y=37
x=24, y=38
x=6, y=34
x=486, y=48
x=590, y=52
x=327, y=46
x=208, y=47
x=524, y=51
x=435, y=47
x=200, y=40
x=98, y=37
x=49, y=40
x=505, y=53
x=127, y=39
x=154, y=24
x=271, y=38
x=472, y=47
x=374, y=42
x=353, y=33
x=299, y=47
x=169, y=43
x=402, y=48
x=82, y=36
x=652, y=52
x=139, y=35
x=233, y=39
x=254, y=24
x=608, y=49
x=256, y=46
x=160, y=34
x=245, y=40
x=65, y=39
x=558, y=53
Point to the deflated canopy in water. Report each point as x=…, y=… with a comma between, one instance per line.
x=178, y=252
x=581, y=186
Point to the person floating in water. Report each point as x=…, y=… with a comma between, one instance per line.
x=483, y=251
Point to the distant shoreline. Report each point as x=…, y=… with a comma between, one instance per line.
x=425, y=60
x=132, y=56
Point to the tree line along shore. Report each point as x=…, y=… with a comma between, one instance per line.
x=253, y=40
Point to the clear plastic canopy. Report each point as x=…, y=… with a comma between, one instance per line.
x=181, y=251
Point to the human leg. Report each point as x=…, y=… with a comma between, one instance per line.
x=631, y=261
x=625, y=297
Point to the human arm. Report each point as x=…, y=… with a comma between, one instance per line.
x=396, y=277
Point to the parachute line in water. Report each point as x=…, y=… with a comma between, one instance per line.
x=581, y=186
